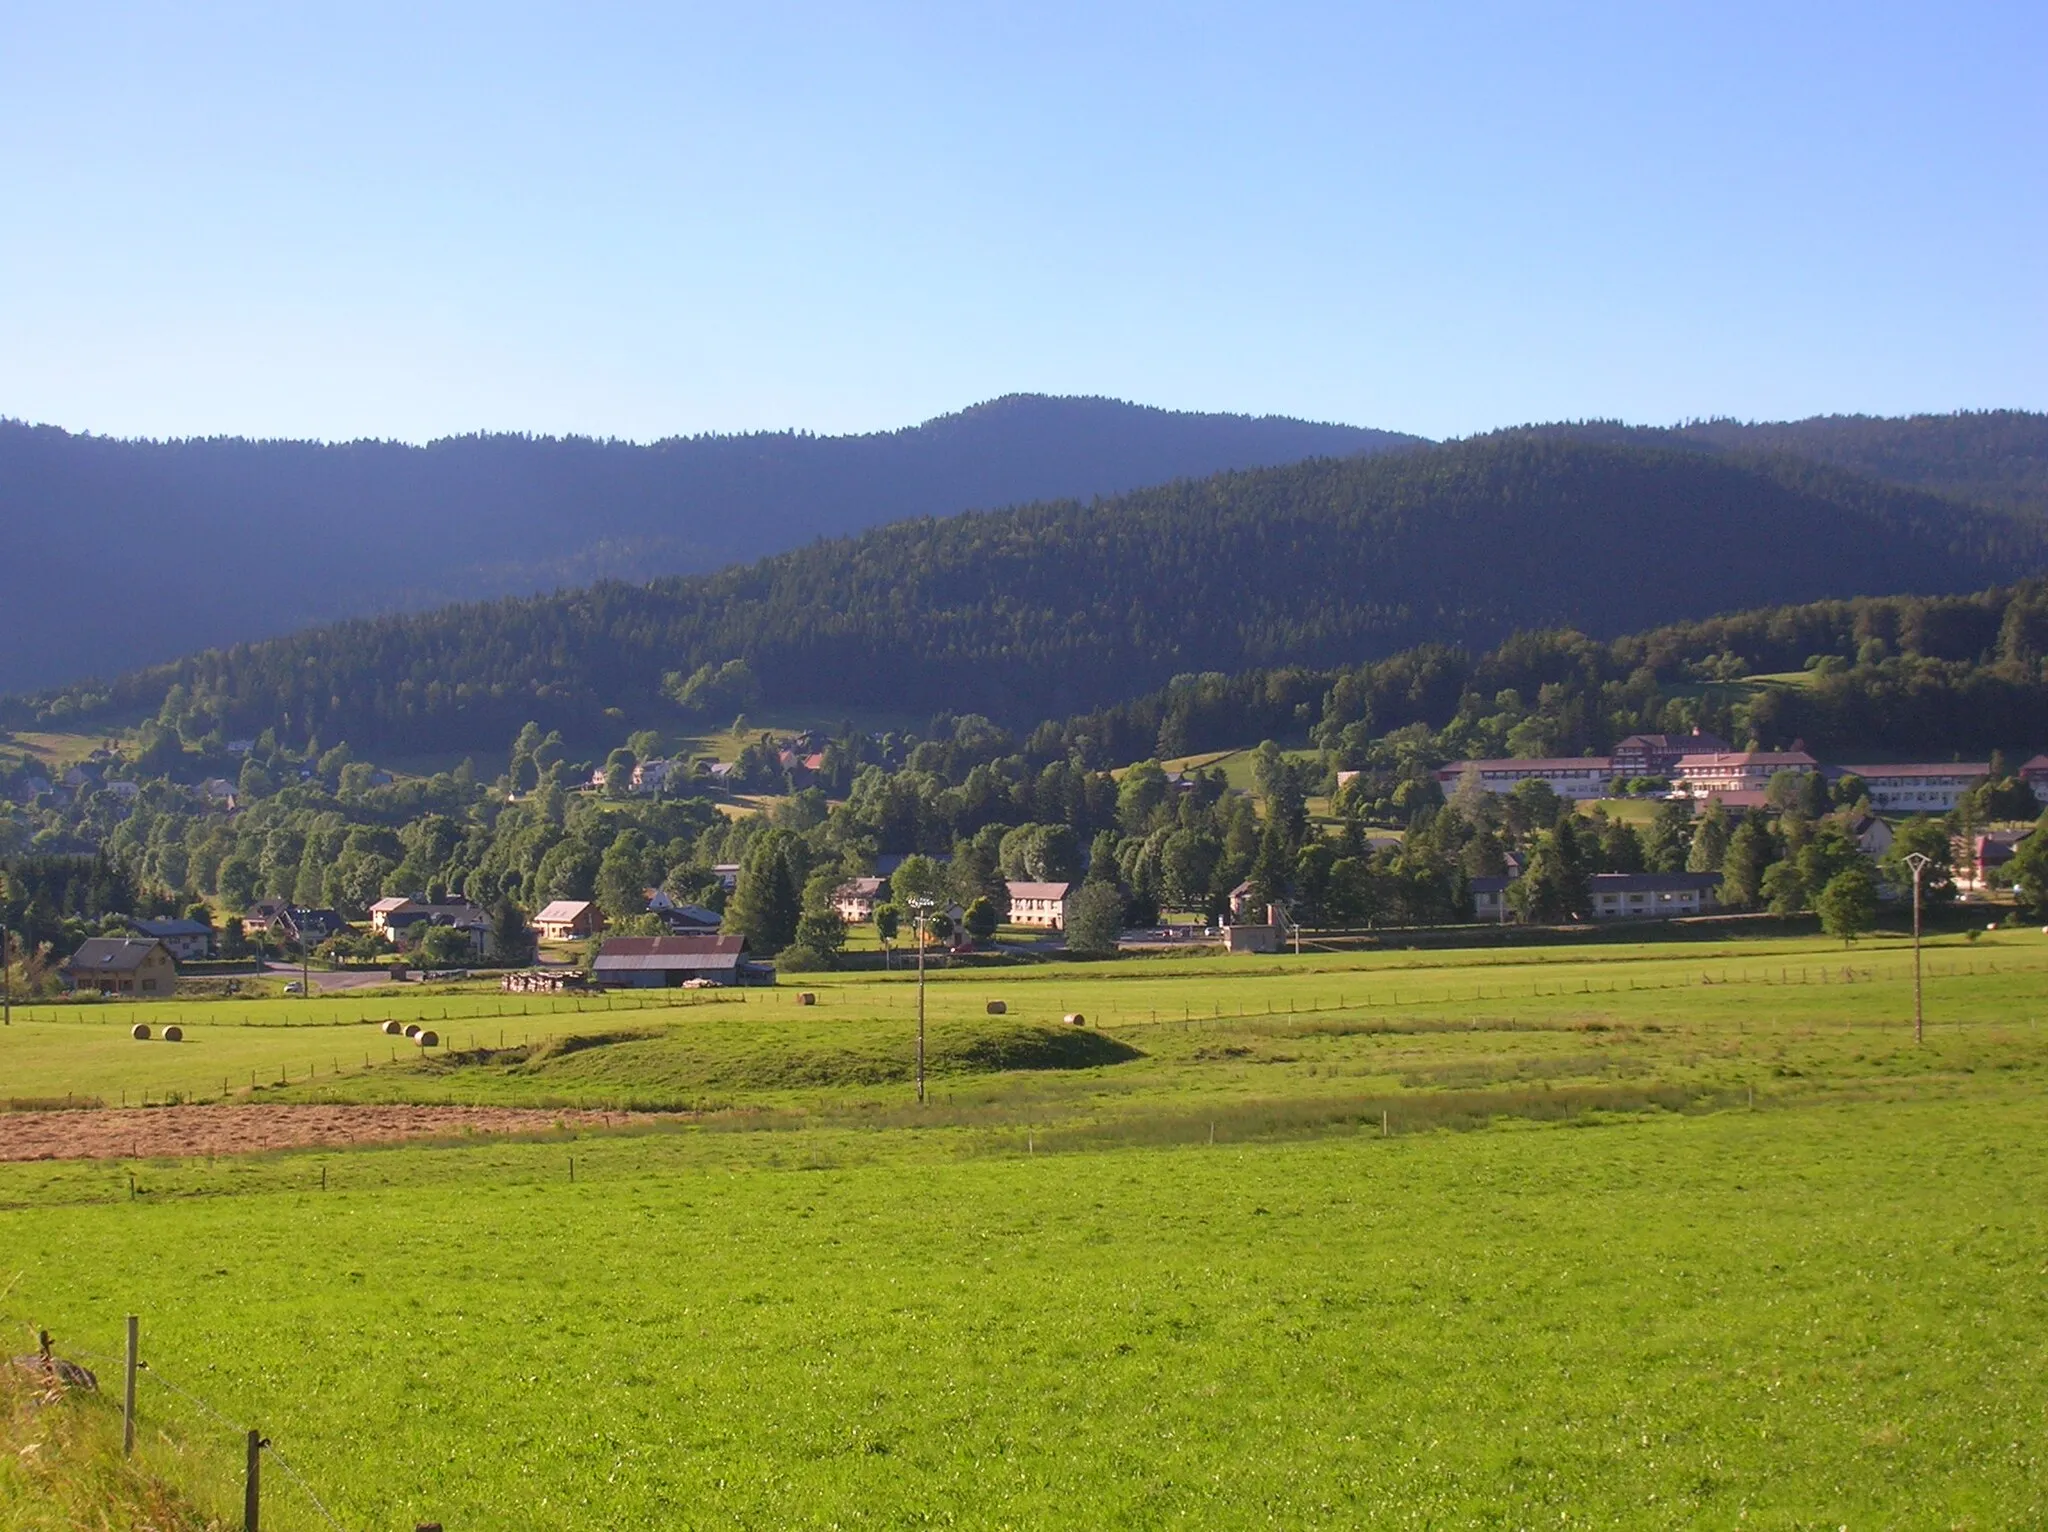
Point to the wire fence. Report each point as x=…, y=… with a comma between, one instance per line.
x=146, y=1371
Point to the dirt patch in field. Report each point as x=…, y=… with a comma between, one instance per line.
x=171, y=1131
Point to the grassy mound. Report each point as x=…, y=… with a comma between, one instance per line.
x=677, y=1065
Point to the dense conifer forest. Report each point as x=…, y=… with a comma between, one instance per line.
x=1994, y=458
x=1057, y=608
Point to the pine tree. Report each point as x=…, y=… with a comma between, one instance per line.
x=511, y=939
x=768, y=902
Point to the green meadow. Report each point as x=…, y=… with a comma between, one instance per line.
x=1662, y=1235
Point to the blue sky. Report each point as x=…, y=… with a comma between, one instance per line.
x=412, y=221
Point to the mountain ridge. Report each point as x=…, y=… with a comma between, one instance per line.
x=208, y=541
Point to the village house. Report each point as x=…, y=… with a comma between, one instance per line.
x=126, y=967
x=1732, y=801
x=1980, y=861
x=186, y=940
x=669, y=962
x=1039, y=904
x=1738, y=771
x=219, y=793
x=1872, y=835
x=855, y=899
x=685, y=919
x=728, y=874
x=395, y=917
x=1617, y=895
x=1917, y=789
x=568, y=920
x=1490, y=898
x=655, y=776
x=1653, y=895
x=1571, y=776
x=681, y=918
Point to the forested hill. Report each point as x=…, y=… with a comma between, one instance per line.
x=1051, y=609
x=1994, y=458
x=125, y=553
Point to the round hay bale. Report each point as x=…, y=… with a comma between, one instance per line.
x=412, y=1029
x=998, y=1008
x=393, y=1029
x=1076, y=1019
x=806, y=998
x=140, y=1032
x=174, y=1033
x=428, y=1039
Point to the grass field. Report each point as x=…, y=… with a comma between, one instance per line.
x=1648, y=1235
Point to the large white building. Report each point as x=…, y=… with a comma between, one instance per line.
x=1039, y=904
x=1737, y=771
x=1919, y=789
x=1569, y=776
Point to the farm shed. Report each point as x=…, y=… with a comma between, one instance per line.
x=667, y=962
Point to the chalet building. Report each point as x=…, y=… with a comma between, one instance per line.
x=727, y=873
x=568, y=920
x=686, y=919
x=186, y=940
x=1571, y=776
x=1738, y=771
x=1039, y=904
x=1920, y=789
x=1658, y=755
x=126, y=967
x=382, y=912
x=394, y=916
x=263, y=917
x=669, y=962
x=856, y=899
x=2035, y=775
x=298, y=923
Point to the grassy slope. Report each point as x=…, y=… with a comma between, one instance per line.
x=1049, y=1294
x=1787, y=1319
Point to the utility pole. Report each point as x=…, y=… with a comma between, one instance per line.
x=921, y=907
x=1917, y=860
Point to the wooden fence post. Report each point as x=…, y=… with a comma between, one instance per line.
x=252, y=1486
x=128, y=1392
